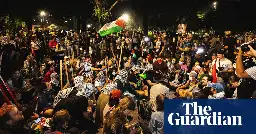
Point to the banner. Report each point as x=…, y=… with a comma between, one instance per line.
x=209, y=116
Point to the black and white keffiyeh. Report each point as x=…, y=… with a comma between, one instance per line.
x=62, y=95
x=149, y=67
x=122, y=76
x=100, y=80
x=109, y=87
x=86, y=90
x=87, y=72
x=79, y=81
x=54, y=79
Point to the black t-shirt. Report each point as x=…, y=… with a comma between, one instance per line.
x=160, y=67
x=132, y=78
x=149, y=77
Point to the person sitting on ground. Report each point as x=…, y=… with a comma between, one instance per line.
x=11, y=120
x=191, y=86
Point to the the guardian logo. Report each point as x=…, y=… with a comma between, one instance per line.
x=202, y=115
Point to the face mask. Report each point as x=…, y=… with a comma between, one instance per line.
x=190, y=78
x=168, y=63
x=180, y=63
x=173, y=62
x=71, y=69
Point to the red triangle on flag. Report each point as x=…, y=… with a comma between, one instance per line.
x=120, y=23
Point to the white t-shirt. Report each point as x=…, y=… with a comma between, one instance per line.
x=225, y=63
x=156, y=90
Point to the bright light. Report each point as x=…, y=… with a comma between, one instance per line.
x=89, y=26
x=66, y=21
x=200, y=50
x=42, y=13
x=146, y=39
x=215, y=4
x=125, y=17
x=70, y=19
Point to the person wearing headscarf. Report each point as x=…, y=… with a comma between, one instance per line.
x=116, y=83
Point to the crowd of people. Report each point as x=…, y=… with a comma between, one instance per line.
x=69, y=82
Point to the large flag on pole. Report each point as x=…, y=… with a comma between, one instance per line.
x=112, y=27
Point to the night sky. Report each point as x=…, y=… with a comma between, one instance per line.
x=231, y=14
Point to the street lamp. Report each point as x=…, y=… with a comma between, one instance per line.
x=89, y=26
x=42, y=13
x=215, y=3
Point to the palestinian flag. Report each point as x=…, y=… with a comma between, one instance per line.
x=112, y=27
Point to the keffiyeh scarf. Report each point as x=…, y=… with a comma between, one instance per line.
x=109, y=87
x=100, y=80
x=122, y=76
x=79, y=81
x=87, y=69
x=62, y=95
x=149, y=67
x=54, y=79
x=86, y=90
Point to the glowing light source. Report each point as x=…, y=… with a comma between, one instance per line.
x=89, y=26
x=215, y=3
x=126, y=17
x=146, y=39
x=200, y=50
x=42, y=13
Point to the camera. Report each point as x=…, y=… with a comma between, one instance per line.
x=221, y=68
x=245, y=47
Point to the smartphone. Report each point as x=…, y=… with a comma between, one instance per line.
x=37, y=121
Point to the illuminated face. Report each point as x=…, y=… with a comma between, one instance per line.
x=214, y=57
x=192, y=77
x=16, y=75
x=16, y=115
x=205, y=81
x=220, y=56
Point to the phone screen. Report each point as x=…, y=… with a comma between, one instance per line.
x=38, y=120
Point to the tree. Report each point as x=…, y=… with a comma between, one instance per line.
x=101, y=10
x=11, y=25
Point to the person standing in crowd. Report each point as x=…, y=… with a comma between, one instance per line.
x=35, y=46
x=229, y=46
x=222, y=63
x=53, y=43
x=156, y=124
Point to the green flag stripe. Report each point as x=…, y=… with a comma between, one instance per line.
x=110, y=30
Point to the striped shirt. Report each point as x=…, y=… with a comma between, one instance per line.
x=251, y=72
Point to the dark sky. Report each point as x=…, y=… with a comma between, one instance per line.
x=230, y=13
